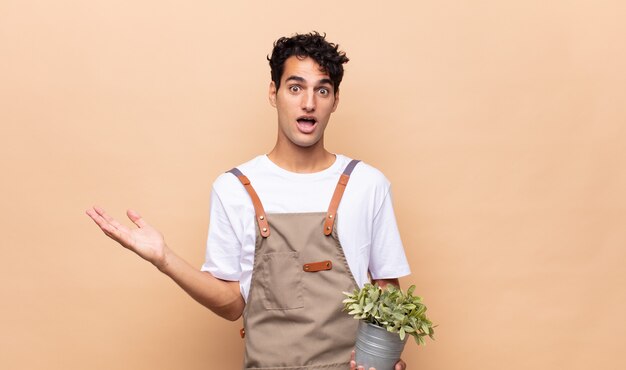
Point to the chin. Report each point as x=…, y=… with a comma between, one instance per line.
x=305, y=143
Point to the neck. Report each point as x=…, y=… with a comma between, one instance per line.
x=301, y=159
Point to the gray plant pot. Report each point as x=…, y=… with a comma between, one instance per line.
x=377, y=348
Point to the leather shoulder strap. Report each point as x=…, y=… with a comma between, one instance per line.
x=260, y=216
x=334, y=202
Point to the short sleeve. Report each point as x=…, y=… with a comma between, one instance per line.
x=223, y=249
x=387, y=257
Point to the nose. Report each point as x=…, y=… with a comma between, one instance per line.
x=308, y=101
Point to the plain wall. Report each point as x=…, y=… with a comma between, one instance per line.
x=501, y=125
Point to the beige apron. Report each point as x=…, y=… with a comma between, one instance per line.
x=293, y=318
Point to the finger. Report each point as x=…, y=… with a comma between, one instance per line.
x=352, y=361
x=136, y=218
x=108, y=229
x=110, y=219
x=113, y=234
x=400, y=365
x=101, y=222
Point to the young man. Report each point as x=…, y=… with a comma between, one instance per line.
x=289, y=230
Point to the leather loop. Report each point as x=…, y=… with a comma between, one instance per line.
x=334, y=204
x=244, y=180
x=343, y=180
x=317, y=266
x=331, y=215
x=260, y=216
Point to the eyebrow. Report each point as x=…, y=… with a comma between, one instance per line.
x=295, y=78
x=326, y=81
x=301, y=79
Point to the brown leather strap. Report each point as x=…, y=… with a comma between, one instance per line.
x=331, y=215
x=261, y=218
x=317, y=266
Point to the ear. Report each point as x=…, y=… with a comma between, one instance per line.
x=272, y=94
x=336, y=101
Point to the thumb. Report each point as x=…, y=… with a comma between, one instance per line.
x=136, y=218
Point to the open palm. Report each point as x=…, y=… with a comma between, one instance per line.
x=144, y=240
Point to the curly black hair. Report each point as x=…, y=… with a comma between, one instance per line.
x=311, y=45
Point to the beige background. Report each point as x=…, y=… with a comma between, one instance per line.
x=500, y=124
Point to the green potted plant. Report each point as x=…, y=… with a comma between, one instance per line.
x=388, y=316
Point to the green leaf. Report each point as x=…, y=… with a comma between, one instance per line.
x=420, y=310
x=390, y=308
x=410, y=290
x=375, y=295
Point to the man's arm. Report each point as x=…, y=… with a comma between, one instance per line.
x=221, y=297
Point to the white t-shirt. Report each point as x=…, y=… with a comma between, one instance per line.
x=366, y=224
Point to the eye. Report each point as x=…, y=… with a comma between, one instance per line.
x=324, y=91
x=294, y=88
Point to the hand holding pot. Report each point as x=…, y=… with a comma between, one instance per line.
x=400, y=365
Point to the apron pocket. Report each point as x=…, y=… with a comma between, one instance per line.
x=282, y=281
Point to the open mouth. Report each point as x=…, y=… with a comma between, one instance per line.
x=306, y=124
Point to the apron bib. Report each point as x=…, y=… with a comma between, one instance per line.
x=293, y=318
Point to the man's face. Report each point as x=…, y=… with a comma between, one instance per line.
x=304, y=102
